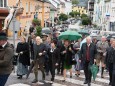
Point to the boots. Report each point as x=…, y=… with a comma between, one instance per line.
x=102, y=70
x=36, y=77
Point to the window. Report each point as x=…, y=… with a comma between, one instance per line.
x=27, y=7
x=3, y=3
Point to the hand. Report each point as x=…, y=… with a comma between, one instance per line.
x=70, y=49
x=56, y=64
x=94, y=60
x=79, y=60
x=21, y=52
x=40, y=54
x=64, y=52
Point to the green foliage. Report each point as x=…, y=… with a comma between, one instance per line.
x=74, y=14
x=86, y=21
x=71, y=14
x=63, y=17
x=75, y=2
x=83, y=15
x=36, y=22
x=38, y=30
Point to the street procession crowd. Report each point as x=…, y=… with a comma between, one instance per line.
x=48, y=53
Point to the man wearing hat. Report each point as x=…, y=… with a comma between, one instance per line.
x=6, y=54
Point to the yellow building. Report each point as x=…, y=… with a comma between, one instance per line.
x=80, y=9
x=32, y=9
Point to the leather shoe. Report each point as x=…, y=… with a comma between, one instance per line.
x=85, y=82
x=34, y=81
x=89, y=84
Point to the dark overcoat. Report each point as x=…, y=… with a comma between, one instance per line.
x=23, y=58
x=40, y=49
x=92, y=52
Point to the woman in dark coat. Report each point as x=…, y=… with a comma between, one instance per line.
x=23, y=57
x=53, y=54
x=68, y=51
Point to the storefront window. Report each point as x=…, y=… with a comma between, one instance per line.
x=3, y=3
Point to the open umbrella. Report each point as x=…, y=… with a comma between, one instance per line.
x=84, y=32
x=94, y=70
x=46, y=31
x=70, y=35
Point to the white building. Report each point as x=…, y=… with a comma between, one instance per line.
x=104, y=14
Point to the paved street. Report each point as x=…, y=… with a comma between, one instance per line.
x=74, y=81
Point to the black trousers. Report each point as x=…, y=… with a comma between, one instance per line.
x=87, y=72
x=52, y=69
x=61, y=65
x=3, y=79
x=110, y=68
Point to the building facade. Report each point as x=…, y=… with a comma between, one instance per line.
x=104, y=14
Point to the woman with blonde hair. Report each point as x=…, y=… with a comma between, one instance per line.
x=23, y=57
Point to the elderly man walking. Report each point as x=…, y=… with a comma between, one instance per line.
x=88, y=52
x=6, y=54
x=101, y=53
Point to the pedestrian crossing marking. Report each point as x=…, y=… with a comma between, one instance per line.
x=19, y=84
x=97, y=79
x=78, y=82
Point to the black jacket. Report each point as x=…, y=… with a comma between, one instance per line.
x=110, y=55
x=53, y=56
x=83, y=51
x=23, y=58
x=40, y=49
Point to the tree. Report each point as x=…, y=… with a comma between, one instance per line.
x=63, y=17
x=76, y=14
x=83, y=15
x=37, y=25
x=38, y=30
x=36, y=22
x=86, y=21
x=71, y=14
x=75, y=2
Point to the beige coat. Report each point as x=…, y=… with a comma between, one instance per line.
x=6, y=55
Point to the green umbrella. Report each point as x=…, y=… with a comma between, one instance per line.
x=70, y=35
x=94, y=70
x=84, y=32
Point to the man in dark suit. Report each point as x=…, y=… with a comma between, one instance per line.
x=110, y=55
x=88, y=52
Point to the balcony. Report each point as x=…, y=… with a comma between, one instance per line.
x=4, y=12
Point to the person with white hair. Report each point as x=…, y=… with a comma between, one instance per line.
x=39, y=58
x=87, y=56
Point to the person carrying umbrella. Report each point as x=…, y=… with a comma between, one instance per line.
x=87, y=53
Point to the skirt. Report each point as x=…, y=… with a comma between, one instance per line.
x=77, y=65
x=21, y=69
x=67, y=66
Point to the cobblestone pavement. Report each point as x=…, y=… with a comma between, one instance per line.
x=74, y=81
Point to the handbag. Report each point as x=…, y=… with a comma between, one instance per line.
x=14, y=60
x=73, y=62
